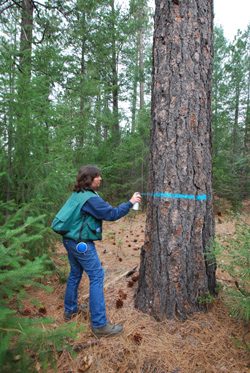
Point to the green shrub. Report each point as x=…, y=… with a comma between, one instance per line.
x=235, y=260
x=23, y=340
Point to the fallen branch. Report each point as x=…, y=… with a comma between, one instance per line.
x=244, y=340
x=130, y=273
x=80, y=346
x=37, y=314
x=243, y=292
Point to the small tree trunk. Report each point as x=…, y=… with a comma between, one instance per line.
x=135, y=81
x=10, y=134
x=236, y=119
x=141, y=63
x=114, y=75
x=247, y=120
x=23, y=129
x=81, y=134
x=26, y=34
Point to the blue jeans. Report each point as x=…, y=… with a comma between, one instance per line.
x=90, y=263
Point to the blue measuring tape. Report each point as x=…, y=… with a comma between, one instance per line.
x=174, y=195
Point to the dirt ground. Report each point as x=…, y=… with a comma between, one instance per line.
x=207, y=342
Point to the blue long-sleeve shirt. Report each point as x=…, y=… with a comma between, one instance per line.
x=101, y=210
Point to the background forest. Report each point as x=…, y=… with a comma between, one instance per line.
x=75, y=79
x=75, y=89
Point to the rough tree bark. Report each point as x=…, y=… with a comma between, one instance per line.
x=174, y=272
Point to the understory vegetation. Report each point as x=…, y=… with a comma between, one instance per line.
x=233, y=254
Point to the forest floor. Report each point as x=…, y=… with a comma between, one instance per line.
x=206, y=342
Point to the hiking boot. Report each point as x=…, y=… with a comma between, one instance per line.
x=109, y=330
x=70, y=316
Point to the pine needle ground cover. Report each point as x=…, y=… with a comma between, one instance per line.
x=211, y=342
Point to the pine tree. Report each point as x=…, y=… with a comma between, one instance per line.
x=237, y=265
x=230, y=92
x=25, y=340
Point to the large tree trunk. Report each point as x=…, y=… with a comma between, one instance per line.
x=174, y=272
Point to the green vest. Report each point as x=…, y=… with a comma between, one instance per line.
x=70, y=223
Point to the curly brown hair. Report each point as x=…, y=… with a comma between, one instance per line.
x=84, y=179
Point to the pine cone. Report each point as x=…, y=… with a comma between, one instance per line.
x=119, y=303
x=137, y=338
x=135, y=277
x=130, y=284
x=42, y=310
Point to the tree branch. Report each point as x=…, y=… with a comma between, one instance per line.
x=10, y=6
x=18, y=4
x=54, y=7
x=4, y=2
